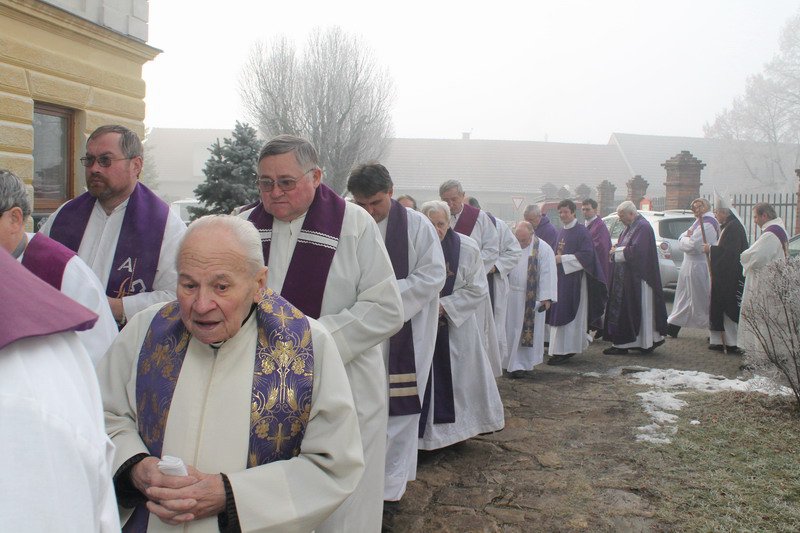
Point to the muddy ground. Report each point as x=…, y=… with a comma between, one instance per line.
x=566, y=460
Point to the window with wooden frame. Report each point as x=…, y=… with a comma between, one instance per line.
x=53, y=153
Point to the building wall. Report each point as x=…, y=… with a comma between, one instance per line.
x=50, y=56
x=128, y=17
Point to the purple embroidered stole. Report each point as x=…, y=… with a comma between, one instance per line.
x=282, y=383
x=780, y=233
x=47, y=259
x=138, y=246
x=531, y=290
x=616, y=282
x=707, y=219
x=403, y=394
x=307, y=275
x=467, y=219
x=441, y=375
x=490, y=277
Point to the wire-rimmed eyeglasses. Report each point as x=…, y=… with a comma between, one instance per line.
x=104, y=160
x=284, y=184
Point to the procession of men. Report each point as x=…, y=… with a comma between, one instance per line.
x=281, y=369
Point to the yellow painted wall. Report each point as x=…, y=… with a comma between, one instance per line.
x=48, y=55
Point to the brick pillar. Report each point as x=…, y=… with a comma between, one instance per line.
x=605, y=198
x=683, y=180
x=797, y=213
x=637, y=188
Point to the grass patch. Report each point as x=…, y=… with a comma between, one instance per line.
x=738, y=470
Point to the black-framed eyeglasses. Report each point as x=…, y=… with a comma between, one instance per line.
x=284, y=184
x=104, y=160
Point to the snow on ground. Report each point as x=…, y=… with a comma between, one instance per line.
x=667, y=385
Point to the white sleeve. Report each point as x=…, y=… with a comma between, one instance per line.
x=510, y=252
x=81, y=284
x=470, y=288
x=489, y=242
x=548, y=274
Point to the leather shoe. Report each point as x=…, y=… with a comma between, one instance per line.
x=516, y=374
x=715, y=347
x=672, y=330
x=613, y=350
x=559, y=359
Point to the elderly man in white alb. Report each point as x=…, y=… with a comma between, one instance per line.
x=54, y=263
x=419, y=266
x=119, y=227
x=242, y=387
x=327, y=257
x=479, y=226
x=533, y=287
x=463, y=400
x=771, y=246
x=693, y=293
x=56, y=459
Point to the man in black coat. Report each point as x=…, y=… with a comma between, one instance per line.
x=727, y=279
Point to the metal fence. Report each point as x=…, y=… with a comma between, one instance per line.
x=785, y=205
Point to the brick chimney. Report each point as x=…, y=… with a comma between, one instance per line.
x=683, y=180
x=605, y=198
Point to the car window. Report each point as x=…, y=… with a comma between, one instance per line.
x=615, y=227
x=794, y=247
x=671, y=228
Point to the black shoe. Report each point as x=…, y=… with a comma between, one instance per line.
x=716, y=347
x=659, y=343
x=559, y=359
x=615, y=351
x=672, y=330
x=516, y=374
x=735, y=350
x=546, y=344
x=389, y=510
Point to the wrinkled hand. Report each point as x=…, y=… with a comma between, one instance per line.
x=558, y=258
x=116, y=308
x=706, y=248
x=689, y=232
x=442, y=312
x=199, y=500
x=547, y=303
x=179, y=499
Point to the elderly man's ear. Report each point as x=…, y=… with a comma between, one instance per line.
x=261, y=280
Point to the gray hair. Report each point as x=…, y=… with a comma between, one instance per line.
x=532, y=209
x=304, y=151
x=627, y=207
x=13, y=193
x=244, y=232
x=129, y=143
x=764, y=208
x=435, y=205
x=451, y=184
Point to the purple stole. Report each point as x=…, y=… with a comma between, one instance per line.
x=311, y=261
x=706, y=219
x=578, y=242
x=47, y=259
x=403, y=394
x=444, y=411
x=138, y=246
x=283, y=380
x=780, y=233
x=531, y=290
x=467, y=219
x=602, y=245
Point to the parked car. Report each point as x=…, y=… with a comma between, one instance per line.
x=794, y=246
x=667, y=227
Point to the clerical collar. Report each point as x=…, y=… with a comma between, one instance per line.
x=571, y=224
x=590, y=220
x=23, y=243
x=218, y=345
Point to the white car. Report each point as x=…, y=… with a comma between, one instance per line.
x=667, y=227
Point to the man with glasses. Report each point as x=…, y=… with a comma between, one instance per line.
x=327, y=257
x=119, y=227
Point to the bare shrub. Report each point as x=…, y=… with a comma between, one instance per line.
x=772, y=314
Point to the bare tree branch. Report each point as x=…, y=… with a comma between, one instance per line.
x=333, y=93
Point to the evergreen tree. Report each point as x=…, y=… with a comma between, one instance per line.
x=230, y=174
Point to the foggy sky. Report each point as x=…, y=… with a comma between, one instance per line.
x=565, y=71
